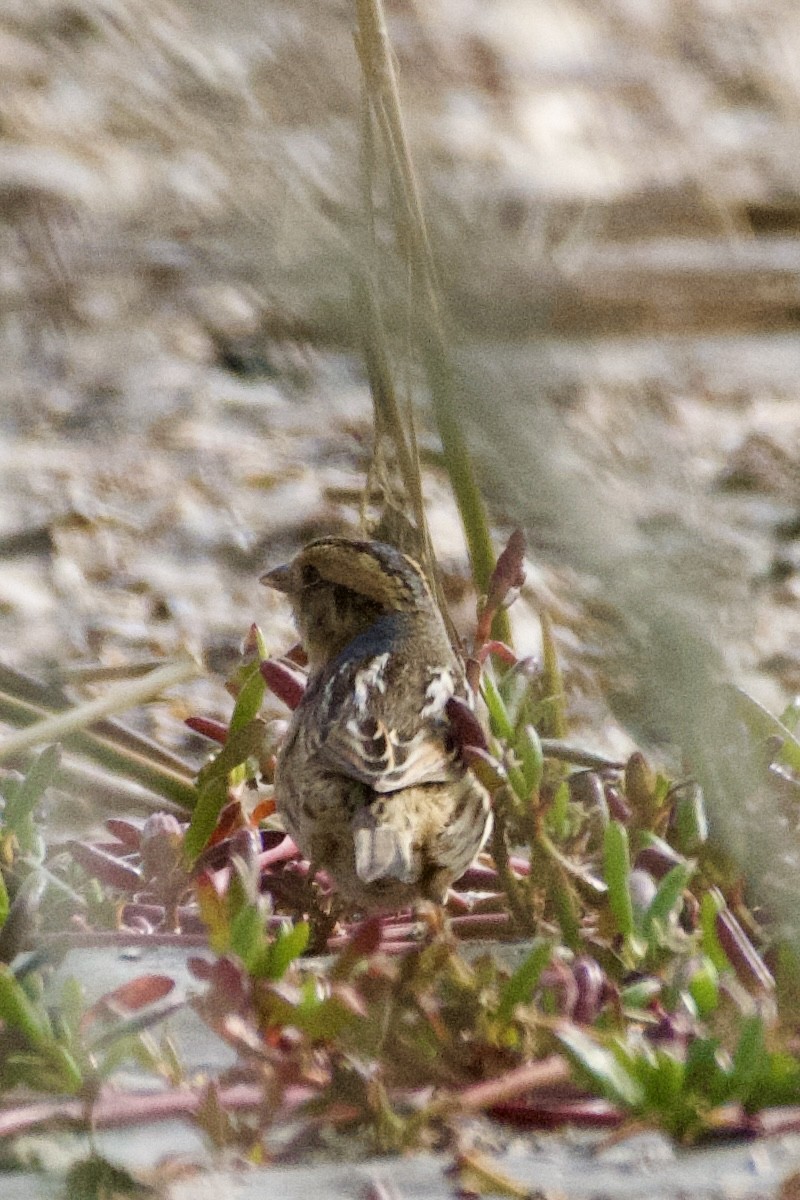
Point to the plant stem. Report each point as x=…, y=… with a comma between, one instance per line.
x=380, y=82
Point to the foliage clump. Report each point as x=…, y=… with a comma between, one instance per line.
x=635, y=969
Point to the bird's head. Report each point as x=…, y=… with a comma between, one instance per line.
x=338, y=588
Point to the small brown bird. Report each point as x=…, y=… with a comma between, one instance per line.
x=369, y=781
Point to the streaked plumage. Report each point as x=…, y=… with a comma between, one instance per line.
x=369, y=782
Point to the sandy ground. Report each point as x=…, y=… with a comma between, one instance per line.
x=613, y=197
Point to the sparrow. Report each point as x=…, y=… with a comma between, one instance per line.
x=369, y=780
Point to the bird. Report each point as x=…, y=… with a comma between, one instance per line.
x=369, y=779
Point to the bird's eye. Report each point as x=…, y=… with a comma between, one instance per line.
x=310, y=575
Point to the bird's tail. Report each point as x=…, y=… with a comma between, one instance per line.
x=383, y=852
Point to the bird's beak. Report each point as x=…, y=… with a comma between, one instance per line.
x=277, y=578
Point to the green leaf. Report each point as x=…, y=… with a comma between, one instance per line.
x=763, y=724
x=691, y=821
x=711, y=904
x=707, y=1071
x=558, y=814
x=515, y=688
x=247, y=935
x=499, y=720
x=791, y=714
x=249, y=700
x=20, y=1013
x=750, y=1060
x=617, y=869
x=69, y=1077
x=240, y=746
x=209, y=805
x=290, y=942
x=212, y=783
x=703, y=987
x=777, y=1084
x=39, y=776
x=72, y=1006
x=520, y=987
x=667, y=897
x=327, y=1019
x=261, y=644
x=501, y=726
x=565, y=902
x=529, y=749
x=552, y=682
x=661, y=789
x=639, y=995
x=663, y=1079
x=95, y=1177
x=601, y=1067
x=215, y=915
x=50, y=1068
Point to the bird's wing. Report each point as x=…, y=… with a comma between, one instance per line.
x=358, y=739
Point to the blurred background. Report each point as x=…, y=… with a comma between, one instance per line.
x=613, y=193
